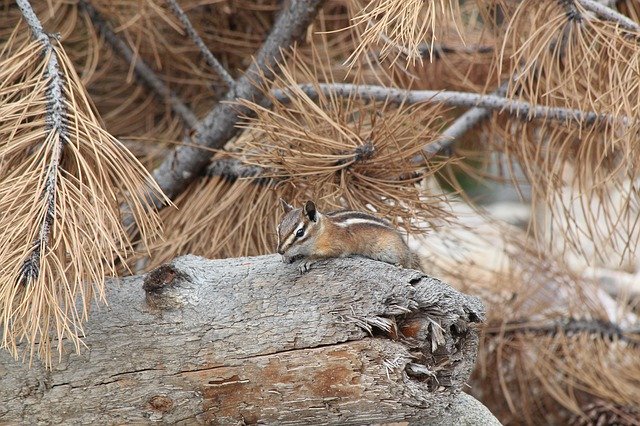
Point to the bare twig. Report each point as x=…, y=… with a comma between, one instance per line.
x=204, y=50
x=233, y=168
x=185, y=163
x=142, y=70
x=441, y=49
x=462, y=125
x=610, y=15
x=569, y=326
x=458, y=99
x=56, y=119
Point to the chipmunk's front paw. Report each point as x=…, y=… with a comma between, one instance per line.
x=304, y=266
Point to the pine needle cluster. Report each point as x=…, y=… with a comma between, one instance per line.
x=63, y=180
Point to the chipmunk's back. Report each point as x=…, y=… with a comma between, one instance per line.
x=309, y=234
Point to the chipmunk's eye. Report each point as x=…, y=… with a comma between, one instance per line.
x=300, y=233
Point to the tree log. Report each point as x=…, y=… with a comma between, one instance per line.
x=248, y=340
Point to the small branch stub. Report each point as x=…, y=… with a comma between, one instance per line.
x=160, y=286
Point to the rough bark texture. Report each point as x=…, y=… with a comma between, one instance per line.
x=352, y=341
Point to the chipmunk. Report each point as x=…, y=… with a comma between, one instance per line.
x=305, y=233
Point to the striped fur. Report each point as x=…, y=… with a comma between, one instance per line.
x=345, y=217
x=339, y=234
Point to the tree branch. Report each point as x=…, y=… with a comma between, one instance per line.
x=441, y=49
x=142, y=70
x=55, y=123
x=232, y=168
x=462, y=125
x=452, y=98
x=475, y=115
x=568, y=326
x=235, y=168
x=185, y=163
x=204, y=50
x=610, y=14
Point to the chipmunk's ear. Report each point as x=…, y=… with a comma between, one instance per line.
x=310, y=211
x=286, y=207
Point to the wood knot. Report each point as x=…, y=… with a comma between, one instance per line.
x=159, y=278
x=161, y=403
x=159, y=285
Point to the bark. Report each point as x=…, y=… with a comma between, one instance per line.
x=248, y=340
x=517, y=108
x=604, y=11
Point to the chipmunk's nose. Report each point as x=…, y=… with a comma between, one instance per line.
x=280, y=251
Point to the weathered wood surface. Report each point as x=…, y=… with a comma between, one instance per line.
x=352, y=341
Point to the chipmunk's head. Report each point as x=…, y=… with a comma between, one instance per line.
x=297, y=231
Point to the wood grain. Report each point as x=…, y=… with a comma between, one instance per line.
x=352, y=341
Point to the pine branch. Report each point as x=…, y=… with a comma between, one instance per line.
x=61, y=181
x=450, y=135
x=204, y=50
x=142, y=70
x=233, y=169
x=462, y=125
x=441, y=49
x=475, y=115
x=185, y=163
x=609, y=14
x=452, y=98
x=55, y=121
x=569, y=326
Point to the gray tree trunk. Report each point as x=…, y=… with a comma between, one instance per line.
x=251, y=340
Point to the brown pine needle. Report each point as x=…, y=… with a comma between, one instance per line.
x=402, y=27
x=62, y=181
x=320, y=147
